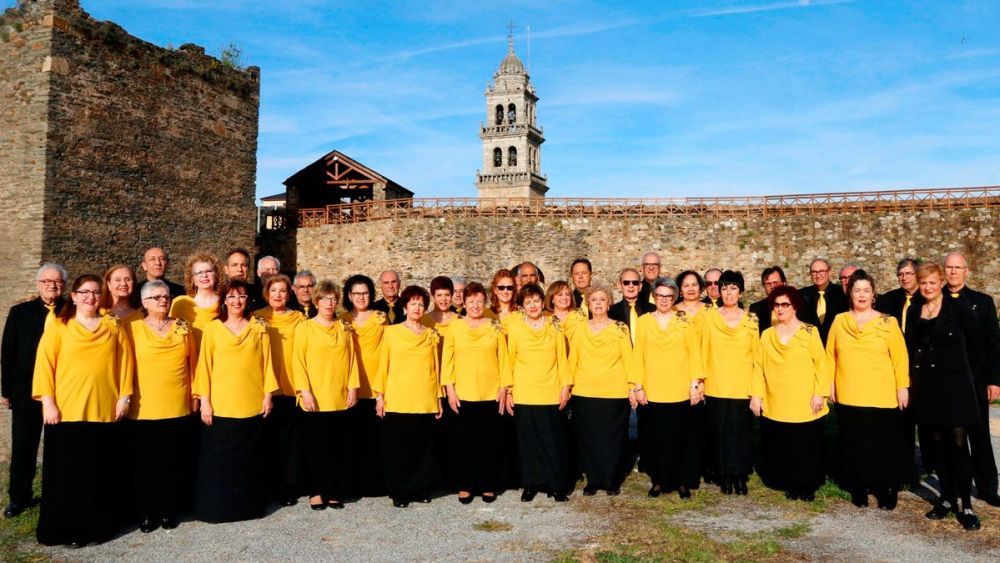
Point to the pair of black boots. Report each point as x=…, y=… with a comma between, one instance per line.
x=966, y=517
x=886, y=497
x=733, y=485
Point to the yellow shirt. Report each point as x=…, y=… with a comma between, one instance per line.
x=428, y=321
x=234, y=371
x=732, y=356
x=537, y=365
x=324, y=363
x=668, y=359
x=367, y=348
x=86, y=372
x=473, y=358
x=184, y=307
x=408, y=371
x=792, y=374
x=573, y=320
x=164, y=369
x=870, y=364
x=601, y=364
x=281, y=331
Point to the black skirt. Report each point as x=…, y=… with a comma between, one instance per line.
x=326, y=439
x=730, y=440
x=543, y=448
x=81, y=483
x=410, y=466
x=875, y=450
x=366, y=450
x=792, y=455
x=282, y=448
x=475, y=441
x=230, y=485
x=162, y=465
x=668, y=443
x=600, y=427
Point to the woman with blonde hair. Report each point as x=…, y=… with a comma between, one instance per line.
x=201, y=304
x=559, y=303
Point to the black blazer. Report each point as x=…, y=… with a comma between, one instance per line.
x=308, y=309
x=397, y=309
x=21, y=334
x=577, y=298
x=983, y=307
x=763, y=312
x=836, y=303
x=892, y=302
x=619, y=311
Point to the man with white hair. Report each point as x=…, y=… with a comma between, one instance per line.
x=155, y=263
x=302, y=287
x=650, y=269
x=17, y=366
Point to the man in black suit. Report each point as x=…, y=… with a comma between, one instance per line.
x=17, y=365
x=630, y=308
x=650, y=271
x=824, y=300
x=302, y=288
x=898, y=301
x=390, y=304
x=712, y=294
x=155, y=263
x=986, y=374
x=581, y=272
x=770, y=278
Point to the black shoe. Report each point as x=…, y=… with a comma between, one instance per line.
x=489, y=498
x=320, y=506
x=148, y=525
x=14, y=509
x=168, y=522
x=939, y=512
x=654, y=491
x=335, y=504
x=888, y=499
x=968, y=520
x=560, y=497
x=726, y=485
x=423, y=500
x=589, y=491
x=683, y=492
x=465, y=500
x=528, y=495
x=740, y=486
x=860, y=499
x=808, y=496
x=614, y=492
x=990, y=500
x=400, y=503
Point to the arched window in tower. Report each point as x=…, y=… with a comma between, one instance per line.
x=511, y=114
x=498, y=157
x=512, y=156
x=499, y=114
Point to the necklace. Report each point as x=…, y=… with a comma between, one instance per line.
x=932, y=308
x=161, y=325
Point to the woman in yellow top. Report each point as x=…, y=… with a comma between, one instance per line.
x=83, y=378
x=367, y=327
x=325, y=374
x=691, y=286
x=732, y=355
x=538, y=384
x=667, y=357
x=441, y=315
x=501, y=296
x=163, y=428
x=474, y=355
x=408, y=399
x=604, y=378
x=235, y=382
x=559, y=303
x=790, y=397
x=201, y=304
x=120, y=296
x=282, y=439
x=871, y=379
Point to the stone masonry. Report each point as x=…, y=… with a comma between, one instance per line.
x=109, y=145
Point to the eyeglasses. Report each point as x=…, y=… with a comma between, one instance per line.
x=329, y=298
x=51, y=282
x=505, y=288
x=845, y=278
x=241, y=297
x=905, y=274
x=360, y=294
x=782, y=305
x=711, y=283
x=90, y=292
x=664, y=295
x=157, y=298
x=203, y=273
x=308, y=286
x=631, y=282
x=818, y=272
x=650, y=264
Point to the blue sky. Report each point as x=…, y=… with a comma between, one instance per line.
x=720, y=97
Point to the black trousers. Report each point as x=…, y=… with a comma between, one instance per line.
x=282, y=448
x=984, y=465
x=26, y=431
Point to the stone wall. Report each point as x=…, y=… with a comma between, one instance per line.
x=423, y=248
x=144, y=145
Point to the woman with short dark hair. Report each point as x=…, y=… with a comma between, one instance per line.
x=440, y=315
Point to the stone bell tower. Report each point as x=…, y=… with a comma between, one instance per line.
x=512, y=157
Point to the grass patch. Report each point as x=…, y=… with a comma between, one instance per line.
x=17, y=535
x=796, y=530
x=492, y=526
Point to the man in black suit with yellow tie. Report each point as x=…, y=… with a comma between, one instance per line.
x=21, y=334
x=630, y=308
x=770, y=278
x=986, y=374
x=824, y=300
x=898, y=301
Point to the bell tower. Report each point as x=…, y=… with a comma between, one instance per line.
x=512, y=139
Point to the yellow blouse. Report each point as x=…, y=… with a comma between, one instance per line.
x=367, y=348
x=184, y=307
x=732, y=356
x=428, y=321
x=407, y=374
x=86, y=372
x=281, y=331
x=164, y=369
x=537, y=365
x=870, y=364
x=792, y=374
x=574, y=319
x=324, y=363
x=668, y=359
x=234, y=371
x=601, y=364
x=473, y=359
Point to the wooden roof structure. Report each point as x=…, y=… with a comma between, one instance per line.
x=336, y=178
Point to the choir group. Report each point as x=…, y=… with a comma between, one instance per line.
x=219, y=396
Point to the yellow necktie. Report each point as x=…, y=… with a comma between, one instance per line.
x=906, y=307
x=583, y=307
x=632, y=320
x=652, y=300
x=821, y=307
x=392, y=315
x=955, y=295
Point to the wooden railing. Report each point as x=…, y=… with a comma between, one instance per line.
x=629, y=208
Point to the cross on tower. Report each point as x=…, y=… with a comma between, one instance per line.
x=510, y=35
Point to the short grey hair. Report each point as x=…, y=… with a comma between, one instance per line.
x=457, y=280
x=51, y=266
x=148, y=287
x=854, y=265
x=277, y=262
x=600, y=289
x=304, y=274
x=664, y=281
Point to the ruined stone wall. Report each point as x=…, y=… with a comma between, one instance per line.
x=423, y=248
